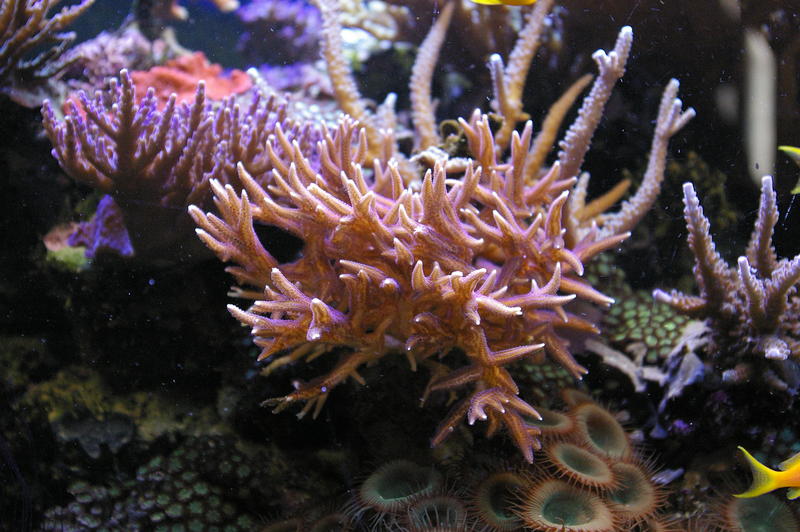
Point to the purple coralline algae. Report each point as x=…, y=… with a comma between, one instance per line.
x=104, y=233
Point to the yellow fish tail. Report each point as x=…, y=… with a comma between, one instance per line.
x=764, y=478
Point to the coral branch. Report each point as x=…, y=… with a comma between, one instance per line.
x=24, y=29
x=421, y=79
x=509, y=82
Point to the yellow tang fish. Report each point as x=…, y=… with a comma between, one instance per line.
x=766, y=479
x=505, y=2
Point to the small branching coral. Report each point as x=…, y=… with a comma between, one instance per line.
x=25, y=29
x=154, y=162
x=752, y=308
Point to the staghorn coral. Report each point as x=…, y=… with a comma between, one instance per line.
x=752, y=308
x=25, y=29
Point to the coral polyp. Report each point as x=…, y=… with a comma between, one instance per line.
x=390, y=490
x=635, y=498
x=598, y=429
x=493, y=499
x=580, y=465
x=438, y=513
x=556, y=506
x=759, y=514
x=552, y=425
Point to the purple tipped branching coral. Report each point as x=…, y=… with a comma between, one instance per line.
x=464, y=273
x=753, y=307
x=154, y=163
x=477, y=265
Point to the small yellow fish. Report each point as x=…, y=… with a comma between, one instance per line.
x=794, y=153
x=505, y=2
x=766, y=479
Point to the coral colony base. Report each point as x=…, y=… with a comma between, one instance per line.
x=470, y=249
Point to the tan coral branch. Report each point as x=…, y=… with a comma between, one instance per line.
x=422, y=108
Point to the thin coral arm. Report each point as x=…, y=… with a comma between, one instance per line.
x=510, y=82
x=552, y=123
x=449, y=423
x=599, y=205
x=423, y=113
x=671, y=119
x=342, y=80
x=760, y=251
x=710, y=269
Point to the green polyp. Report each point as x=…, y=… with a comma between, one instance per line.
x=602, y=431
x=566, y=509
x=581, y=461
x=764, y=514
x=397, y=483
x=495, y=500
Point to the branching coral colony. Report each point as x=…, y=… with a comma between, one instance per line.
x=753, y=308
x=479, y=257
x=153, y=162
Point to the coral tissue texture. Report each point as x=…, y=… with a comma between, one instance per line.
x=475, y=266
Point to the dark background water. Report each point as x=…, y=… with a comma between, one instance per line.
x=206, y=29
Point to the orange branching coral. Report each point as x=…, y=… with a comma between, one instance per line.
x=465, y=273
x=472, y=265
